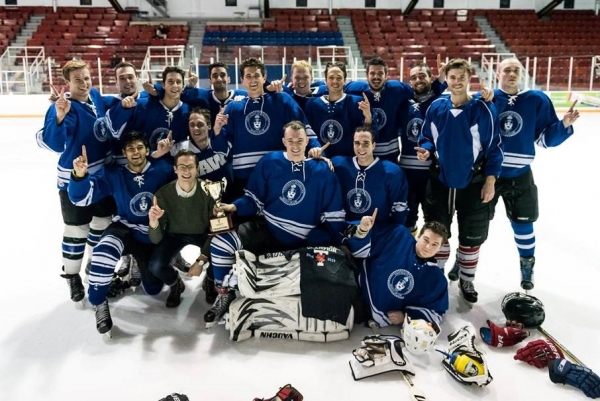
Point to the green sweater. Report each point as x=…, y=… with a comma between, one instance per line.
x=182, y=215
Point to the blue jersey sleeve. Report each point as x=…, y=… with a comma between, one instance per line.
x=54, y=136
x=118, y=117
x=490, y=139
x=89, y=189
x=549, y=130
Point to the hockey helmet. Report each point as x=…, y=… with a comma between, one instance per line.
x=524, y=309
x=419, y=335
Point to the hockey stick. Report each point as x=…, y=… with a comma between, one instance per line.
x=584, y=99
x=562, y=347
x=415, y=392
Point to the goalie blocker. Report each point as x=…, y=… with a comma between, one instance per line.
x=281, y=317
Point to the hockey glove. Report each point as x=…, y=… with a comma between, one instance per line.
x=497, y=336
x=379, y=354
x=464, y=361
x=564, y=372
x=539, y=353
x=175, y=397
x=286, y=393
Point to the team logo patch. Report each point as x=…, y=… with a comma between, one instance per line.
x=359, y=200
x=158, y=135
x=257, y=122
x=331, y=131
x=511, y=123
x=101, y=130
x=379, y=117
x=293, y=193
x=413, y=129
x=400, y=283
x=140, y=204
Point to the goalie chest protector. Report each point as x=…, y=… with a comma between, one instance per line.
x=327, y=284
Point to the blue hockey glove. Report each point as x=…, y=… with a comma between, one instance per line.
x=564, y=372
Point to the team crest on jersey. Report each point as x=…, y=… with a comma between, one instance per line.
x=331, y=131
x=359, y=200
x=400, y=283
x=413, y=129
x=511, y=123
x=379, y=117
x=158, y=135
x=101, y=130
x=140, y=204
x=257, y=122
x=293, y=193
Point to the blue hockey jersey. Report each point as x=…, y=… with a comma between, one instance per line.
x=385, y=108
x=79, y=127
x=394, y=278
x=133, y=192
x=461, y=138
x=526, y=118
x=317, y=89
x=381, y=185
x=295, y=198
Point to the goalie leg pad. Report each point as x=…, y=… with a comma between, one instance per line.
x=281, y=318
x=267, y=276
x=379, y=354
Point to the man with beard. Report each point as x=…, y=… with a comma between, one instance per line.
x=460, y=134
x=132, y=186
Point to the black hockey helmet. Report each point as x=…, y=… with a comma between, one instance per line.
x=524, y=309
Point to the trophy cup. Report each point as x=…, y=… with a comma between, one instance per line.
x=222, y=222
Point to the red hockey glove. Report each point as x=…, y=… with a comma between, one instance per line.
x=498, y=336
x=286, y=393
x=539, y=353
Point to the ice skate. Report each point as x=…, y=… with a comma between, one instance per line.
x=210, y=294
x=124, y=267
x=453, y=274
x=174, y=298
x=179, y=263
x=104, y=322
x=527, y=273
x=135, y=277
x=117, y=286
x=75, y=286
x=467, y=290
x=220, y=307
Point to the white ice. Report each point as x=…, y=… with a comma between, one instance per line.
x=50, y=350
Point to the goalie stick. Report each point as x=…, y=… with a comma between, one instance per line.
x=562, y=347
x=415, y=392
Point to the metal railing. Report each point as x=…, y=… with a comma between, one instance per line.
x=22, y=69
x=158, y=57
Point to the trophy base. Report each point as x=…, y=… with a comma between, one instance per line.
x=220, y=225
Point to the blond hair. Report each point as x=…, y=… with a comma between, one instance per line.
x=73, y=65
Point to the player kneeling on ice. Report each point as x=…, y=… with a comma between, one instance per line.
x=274, y=306
x=133, y=187
x=398, y=275
x=301, y=201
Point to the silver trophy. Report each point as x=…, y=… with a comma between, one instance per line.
x=222, y=222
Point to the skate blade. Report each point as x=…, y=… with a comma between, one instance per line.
x=81, y=305
x=221, y=321
x=107, y=336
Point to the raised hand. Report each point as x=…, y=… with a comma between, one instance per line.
x=422, y=154
x=486, y=93
x=155, y=213
x=80, y=163
x=129, y=101
x=63, y=105
x=571, y=116
x=441, y=67
x=367, y=222
x=192, y=77
x=365, y=107
x=317, y=153
x=164, y=145
x=54, y=94
x=220, y=121
x=149, y=86
x=277, y=85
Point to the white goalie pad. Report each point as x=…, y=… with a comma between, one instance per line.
x=281, y=318
x=267, y=276
x=379, y=354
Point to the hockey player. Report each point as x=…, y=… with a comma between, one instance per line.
x=70, y=123
x=302, y=204
x=133, y=187
x=178, y=217
x=152, y=116
x=411, y=116
x=254, y=123
x=385, y=97
x=461, y=135
x=398, y=274
x=369, y=183
x=526, y=118
x=335, y=116
x=302, y=86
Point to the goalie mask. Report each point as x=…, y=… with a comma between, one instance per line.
x=524, y=309
x=419, y=335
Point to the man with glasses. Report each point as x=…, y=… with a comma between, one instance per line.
x=179, y=217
